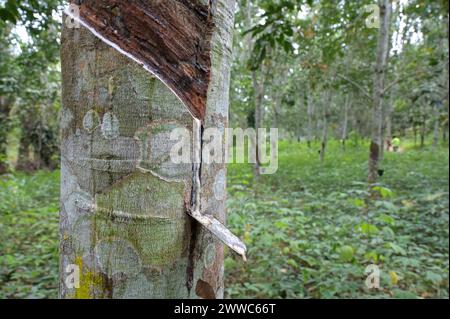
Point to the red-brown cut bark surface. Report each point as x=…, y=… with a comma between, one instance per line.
x=172, y=38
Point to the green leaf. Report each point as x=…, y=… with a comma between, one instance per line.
x=384, y=192
x=433, y=277
x=346, y=253
x=368, y=229
x=396, y=248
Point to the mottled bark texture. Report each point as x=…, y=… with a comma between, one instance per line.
x=123, y=202
x=379, y=85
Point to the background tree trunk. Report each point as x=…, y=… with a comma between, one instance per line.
x=310, y=112
x=389, y=110
x=259, y=89
x=423, y=122
x=415, y=133
x=123, y=202
x=447, y=83
x=25, y=161
x=326, y=115
x=436, y=126
x=347, y=105
x=379, y=84
x=5, y=107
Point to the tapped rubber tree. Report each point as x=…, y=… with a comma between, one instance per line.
x=125, y=226
x=381, y=64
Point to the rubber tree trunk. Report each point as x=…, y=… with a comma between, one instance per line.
x=24, y=160
x=123, y=222
x=436, y=129
x=5, y=107
x=446, y=98
x=326, y=116
x=424, y=109
x=310, y=112
x=347, y=106
x=276, y=108
x=415, y=133
x=379, y=85
x=6, y=99
x=383, y=133
x=348, y=100
x=389, y=111
x=423, y=133
x=447, y=84
x=259, y=89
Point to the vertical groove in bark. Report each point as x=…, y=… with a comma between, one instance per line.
x=123, y=202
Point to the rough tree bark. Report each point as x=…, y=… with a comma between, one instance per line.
x=379, y=85
x=124, y=222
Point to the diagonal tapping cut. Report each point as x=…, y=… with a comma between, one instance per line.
x=169, y=38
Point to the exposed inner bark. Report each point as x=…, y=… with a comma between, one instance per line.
x=204, y=290
x=171, y=38
x=191, y=257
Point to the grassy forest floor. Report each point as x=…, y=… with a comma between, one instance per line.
x=308, y=230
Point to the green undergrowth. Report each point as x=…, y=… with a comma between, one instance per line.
x=29, y=235
x=308, y=228
x=311, y=234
